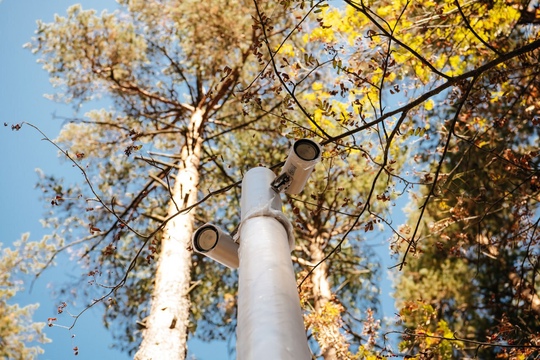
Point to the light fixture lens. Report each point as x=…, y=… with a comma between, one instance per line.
x=306, y=149
x=206, y=239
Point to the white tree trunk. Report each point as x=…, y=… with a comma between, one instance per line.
x=165, y=335
x=330, y=337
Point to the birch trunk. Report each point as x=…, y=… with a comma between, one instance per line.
x=165, y=335
x=322, y=294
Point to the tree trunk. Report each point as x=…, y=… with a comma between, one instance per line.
x=165, y=335
x=330, y=336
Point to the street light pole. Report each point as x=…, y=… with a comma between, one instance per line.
x=270, y=324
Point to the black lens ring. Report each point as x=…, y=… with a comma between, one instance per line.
x=310, y=143
x=198, y=234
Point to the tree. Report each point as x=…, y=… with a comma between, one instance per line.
x=94, y=64
x=374, y=81
x=483, y=178
x=475, y=264
x=170, y=70
x=481, y=58
x=18, y=333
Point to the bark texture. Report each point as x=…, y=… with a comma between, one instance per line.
x=322, y=294
x=166, y=328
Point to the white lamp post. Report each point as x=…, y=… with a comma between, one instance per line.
x=270, y=324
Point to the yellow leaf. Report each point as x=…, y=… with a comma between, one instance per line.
x=429, y=105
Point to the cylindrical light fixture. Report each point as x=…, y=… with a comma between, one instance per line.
x=303, y=157
x=213, y=242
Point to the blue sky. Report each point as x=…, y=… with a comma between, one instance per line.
x=22, y=86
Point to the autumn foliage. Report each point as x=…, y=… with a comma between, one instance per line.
x=432, y=105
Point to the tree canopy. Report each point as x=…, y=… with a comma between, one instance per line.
x=437, y=101
x=19, y=334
